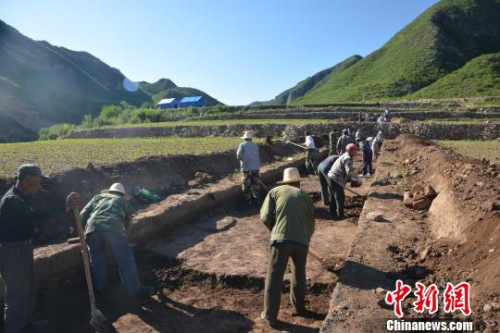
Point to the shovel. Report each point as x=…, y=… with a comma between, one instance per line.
x=295, y=144
x=98, y=321
x=346, y=188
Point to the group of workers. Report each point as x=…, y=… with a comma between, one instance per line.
x=385, y=117
x=106, y=219
x=288, y=211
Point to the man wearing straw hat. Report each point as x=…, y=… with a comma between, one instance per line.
x=107, y=217
x=248, y=155
x=288, y=212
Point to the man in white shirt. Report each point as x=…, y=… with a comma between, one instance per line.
x=310, y=153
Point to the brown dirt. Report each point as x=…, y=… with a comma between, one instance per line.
x=204, y=280
x=183, y=174
x=463, y=240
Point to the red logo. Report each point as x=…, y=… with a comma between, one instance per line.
x=457, y=298
x=397, y=297
x=427, y=298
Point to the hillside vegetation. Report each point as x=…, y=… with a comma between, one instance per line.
x=42, y=84
x=440, y=41
x=479, y=77
x=304, y=86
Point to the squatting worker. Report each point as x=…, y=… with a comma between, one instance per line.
x=310, y=153
x=107, y=217
x=17, y=217
x=248, y=155
x=288, y=213
x=323, y=169
x=341, y=172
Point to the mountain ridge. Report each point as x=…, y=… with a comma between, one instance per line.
x=50, y=84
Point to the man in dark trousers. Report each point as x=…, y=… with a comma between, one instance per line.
x=248, y=155
x=341, y=172
x=367, y=168
x=323, y=169
x=17, y=217
x=287, y=212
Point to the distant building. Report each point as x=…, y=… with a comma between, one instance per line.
x=191, y=101
x=168, y=103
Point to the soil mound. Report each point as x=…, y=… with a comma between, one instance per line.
x=464, y=218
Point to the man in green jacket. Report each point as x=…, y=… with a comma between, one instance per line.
x=107, y=217
x=288, y=212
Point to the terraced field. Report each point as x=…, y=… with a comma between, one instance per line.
x=489, y=150
x=226, y=122
x=60, y=155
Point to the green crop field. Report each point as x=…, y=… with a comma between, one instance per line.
x=228, y=122
x=459, y=121
x=61, y=155
x=489, y=150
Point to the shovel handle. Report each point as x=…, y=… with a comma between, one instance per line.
x=86, y=261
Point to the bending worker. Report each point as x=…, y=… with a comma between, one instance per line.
x=107, y=217
x=341, y=172
x=17, y=224
x=288, y=212
x=248, y=155
x=323, y=169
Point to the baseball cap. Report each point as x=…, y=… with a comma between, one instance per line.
x=30, y=170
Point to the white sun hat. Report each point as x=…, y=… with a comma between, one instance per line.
x=247, y=135
x=119, y=188
x=291, y=175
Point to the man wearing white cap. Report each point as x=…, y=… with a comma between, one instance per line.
x=248, y=155
x=107, y=217
x=288, y=212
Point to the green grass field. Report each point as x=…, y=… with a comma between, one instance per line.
x=475, y=148
x=61, y=155
x=459, y=121
x=228, y=122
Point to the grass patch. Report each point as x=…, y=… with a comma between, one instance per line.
x=227, y=122
x=62, y=155
x=458, y=121
x=489, y=150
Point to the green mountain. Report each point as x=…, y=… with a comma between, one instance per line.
x=479, y=77
x=312, y=82
x=42, y=84
x=440, y=41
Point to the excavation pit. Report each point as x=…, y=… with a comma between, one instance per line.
x=208, y=275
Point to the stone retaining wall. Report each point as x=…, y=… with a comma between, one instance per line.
x=391, y=130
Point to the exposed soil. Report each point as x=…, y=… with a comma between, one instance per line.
x=161, y=175
x=208, y=276
x=463, y=242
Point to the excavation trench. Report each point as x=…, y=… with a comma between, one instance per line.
x=208, y=273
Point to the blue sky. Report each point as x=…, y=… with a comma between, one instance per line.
x=238, y=51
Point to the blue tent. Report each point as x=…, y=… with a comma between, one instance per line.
x=191, y=101
x=168, y=103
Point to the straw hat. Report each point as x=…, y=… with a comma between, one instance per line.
x=247, y=135
x=118, y=188
x=291, y=175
